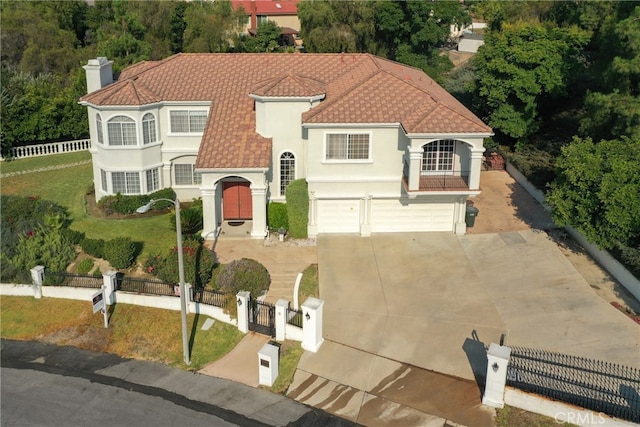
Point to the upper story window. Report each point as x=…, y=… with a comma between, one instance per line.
x=287, y=170
x=149, y=128
x=122, y=131
x=99, y=129
x=185, y=174
x=183, y=121
x=438, y=156
x=347, y=146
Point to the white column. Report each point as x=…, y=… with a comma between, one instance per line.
x=109, y=282
x=188, y=290
x=497, y=362
x=259, y=201
x=312, y=324
x=281, y=319
x=37, y=279
x=242, y=300
x=415, y=159
x=365, y=208
x=209, y=217
x=475, y=168
x=166, y=175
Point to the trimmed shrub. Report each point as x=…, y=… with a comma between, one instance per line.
x=198, y=264
x=85, y=266
x=93, y=247
x=129, y=204
x=277, y=216
x=120, y=252
x=243, y=275
x=298, y=208
x=74, y=237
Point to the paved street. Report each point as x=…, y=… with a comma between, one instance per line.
x=49, y=385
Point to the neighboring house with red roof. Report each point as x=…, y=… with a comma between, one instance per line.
x=382, y=146
x=283, y=12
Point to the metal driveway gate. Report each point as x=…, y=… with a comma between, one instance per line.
x=262, y=317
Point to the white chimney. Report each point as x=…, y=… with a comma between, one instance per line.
x=99, y=73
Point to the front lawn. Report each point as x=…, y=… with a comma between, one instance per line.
x=134, y=332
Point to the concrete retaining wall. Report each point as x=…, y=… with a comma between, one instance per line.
x=617, y=270
x=293, y=333
x=10, y=289
x=559, y=411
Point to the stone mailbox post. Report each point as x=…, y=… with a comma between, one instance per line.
x=268, y=364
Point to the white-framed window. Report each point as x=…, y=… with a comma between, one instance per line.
x=187, y=121
x=99, y=129
x=347, y=146
x=287, y=170
x=125, y=182
x=262, y=19
x=153, y=180
x=185, y=174
x=103, y=176
x=438, y=156
x=148, y=128
x=122, y=131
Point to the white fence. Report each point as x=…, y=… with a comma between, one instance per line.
x=50, y=148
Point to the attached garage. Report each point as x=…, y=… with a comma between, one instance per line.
x=393, y=215
x=338, y=216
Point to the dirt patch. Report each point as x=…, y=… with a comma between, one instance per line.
x=93, y=339
x=95, y=211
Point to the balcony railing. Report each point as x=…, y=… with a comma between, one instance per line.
x=451, y=181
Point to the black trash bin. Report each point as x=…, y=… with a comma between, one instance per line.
x=470, y=217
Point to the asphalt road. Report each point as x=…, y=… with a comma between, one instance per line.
x=47, y=385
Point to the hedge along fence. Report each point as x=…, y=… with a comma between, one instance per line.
x=298, y=208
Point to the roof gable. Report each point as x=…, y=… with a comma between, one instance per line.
x=289, y=85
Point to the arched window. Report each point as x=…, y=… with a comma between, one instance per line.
x=99, y=129
x=438, y=156
x=148, y=128
x=122, y=131
x=287, y=170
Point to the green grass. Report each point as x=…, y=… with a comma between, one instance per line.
x=68, y=187
x=134, y=332
x=309, y=284
x=42, y=162
x=510, y=416
x=290, y=353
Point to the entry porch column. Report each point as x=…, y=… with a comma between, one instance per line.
x=259, y=209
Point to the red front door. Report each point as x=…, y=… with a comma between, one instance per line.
x=236, y=200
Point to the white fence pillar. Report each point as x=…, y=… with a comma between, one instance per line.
x=109, y=281
x=281, y=319
x=312, y=324
x=497, y=363
x=37, y=279
x=243, y=300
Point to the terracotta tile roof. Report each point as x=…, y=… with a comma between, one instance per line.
x=359, y=88
x=268, y=7
x=289, y=85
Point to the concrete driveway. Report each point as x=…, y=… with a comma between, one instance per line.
x=425, y=299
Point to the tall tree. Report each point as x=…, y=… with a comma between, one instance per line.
x=212, y=26
x=520, y=66
x=597, y=191
x=613, y=109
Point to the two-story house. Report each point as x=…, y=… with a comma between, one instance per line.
x=382, y=146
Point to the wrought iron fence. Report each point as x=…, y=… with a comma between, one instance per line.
x=294, y=317
x=74, y=280
x=145, y=286
x=592, y=384
x=210, y=297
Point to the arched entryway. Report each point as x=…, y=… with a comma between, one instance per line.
x=237, y=201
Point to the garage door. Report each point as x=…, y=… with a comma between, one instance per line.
x=338, y=216
x=394, y=216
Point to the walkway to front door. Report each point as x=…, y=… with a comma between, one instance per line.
x=236, y=199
